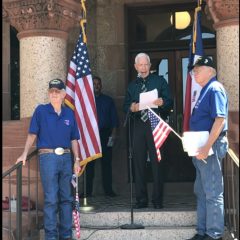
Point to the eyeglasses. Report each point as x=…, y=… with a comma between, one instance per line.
x=54, y=90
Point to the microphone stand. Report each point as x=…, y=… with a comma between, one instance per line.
x=132, y=225
x=85, y=207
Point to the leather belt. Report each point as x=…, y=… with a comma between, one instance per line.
x=58, y=151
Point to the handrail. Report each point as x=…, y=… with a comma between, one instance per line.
x=233, y=156
x=14, y=167
x=18, y=168
x=231, y=191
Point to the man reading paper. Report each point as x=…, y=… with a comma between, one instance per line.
x=143, y=143
x=209, y=114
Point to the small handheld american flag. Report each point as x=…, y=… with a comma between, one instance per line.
x=160, y=131
x=76, y=212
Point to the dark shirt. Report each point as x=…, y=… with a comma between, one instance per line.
x=212, y=103
x=106, y=111
x=152, y=82
x=52, y=130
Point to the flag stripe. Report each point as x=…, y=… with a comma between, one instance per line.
x=90, y=96
x=160, y=131
x=187, y=106
x=81, y=124
x=80, y=97
x=70, y=99
x=84, y=100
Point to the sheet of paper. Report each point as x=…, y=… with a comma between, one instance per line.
x=191, y=141
x=147, y=99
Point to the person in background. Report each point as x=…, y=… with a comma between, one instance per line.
x=108, y=123
x=54, y=127
x=143, y=143
x=209, y=114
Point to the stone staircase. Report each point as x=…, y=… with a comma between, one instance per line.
x=174, y=222
x=160, y=224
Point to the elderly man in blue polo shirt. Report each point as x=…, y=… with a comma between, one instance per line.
x=210, y=114
x=55, y=129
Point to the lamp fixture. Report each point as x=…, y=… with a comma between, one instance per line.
x=182, y=20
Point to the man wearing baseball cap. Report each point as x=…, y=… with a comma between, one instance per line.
x=209, y=114
x=54, y=126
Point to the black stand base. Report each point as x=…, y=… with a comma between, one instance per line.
x=132, y=226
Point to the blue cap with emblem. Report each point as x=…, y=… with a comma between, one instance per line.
x=57, y=83
x=203, y=61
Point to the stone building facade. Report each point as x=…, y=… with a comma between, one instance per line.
x=47, y=33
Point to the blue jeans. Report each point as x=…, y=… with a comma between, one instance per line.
x=208, y=188
x=56, y=175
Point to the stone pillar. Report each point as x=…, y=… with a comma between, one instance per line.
x=107, y=51
x=42, y=31
x=225, y=15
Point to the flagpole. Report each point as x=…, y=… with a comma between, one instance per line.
x=164, y=121
x=85, y=207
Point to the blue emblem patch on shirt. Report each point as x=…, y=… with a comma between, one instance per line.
x=67, y=122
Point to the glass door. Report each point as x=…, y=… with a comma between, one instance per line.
x=172, y=65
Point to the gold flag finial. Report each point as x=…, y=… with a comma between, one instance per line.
x=84, y=21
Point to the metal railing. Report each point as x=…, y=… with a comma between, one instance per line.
x=8, y=178
x=231, y=193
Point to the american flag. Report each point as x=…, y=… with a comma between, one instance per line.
x=195, y=51
x=160, y=131
x=80, y=97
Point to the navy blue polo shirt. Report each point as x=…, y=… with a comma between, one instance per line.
x=212, y=103
x=106, y=111
x=52, y=130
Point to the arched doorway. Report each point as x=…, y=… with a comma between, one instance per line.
x=150, y=30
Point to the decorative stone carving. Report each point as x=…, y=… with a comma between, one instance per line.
x=223, y=12
x=32, y=15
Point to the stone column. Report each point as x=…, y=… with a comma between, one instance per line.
x=42, y=31
x=225, y=15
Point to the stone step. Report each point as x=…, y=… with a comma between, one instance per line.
x=149, y=233
x=147, y=218
x=158, y=224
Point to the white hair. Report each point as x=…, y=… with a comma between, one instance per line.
x=139, y=55
x=213, y=71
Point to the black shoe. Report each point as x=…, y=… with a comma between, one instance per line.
x=111, y=194
x=197, y=237
x=209, y=238
x=139, y=205
x=157, y=206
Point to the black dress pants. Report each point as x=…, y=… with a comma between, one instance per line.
x=142, y=145
x=106, y=165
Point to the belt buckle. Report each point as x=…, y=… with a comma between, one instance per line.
x=59, y=151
